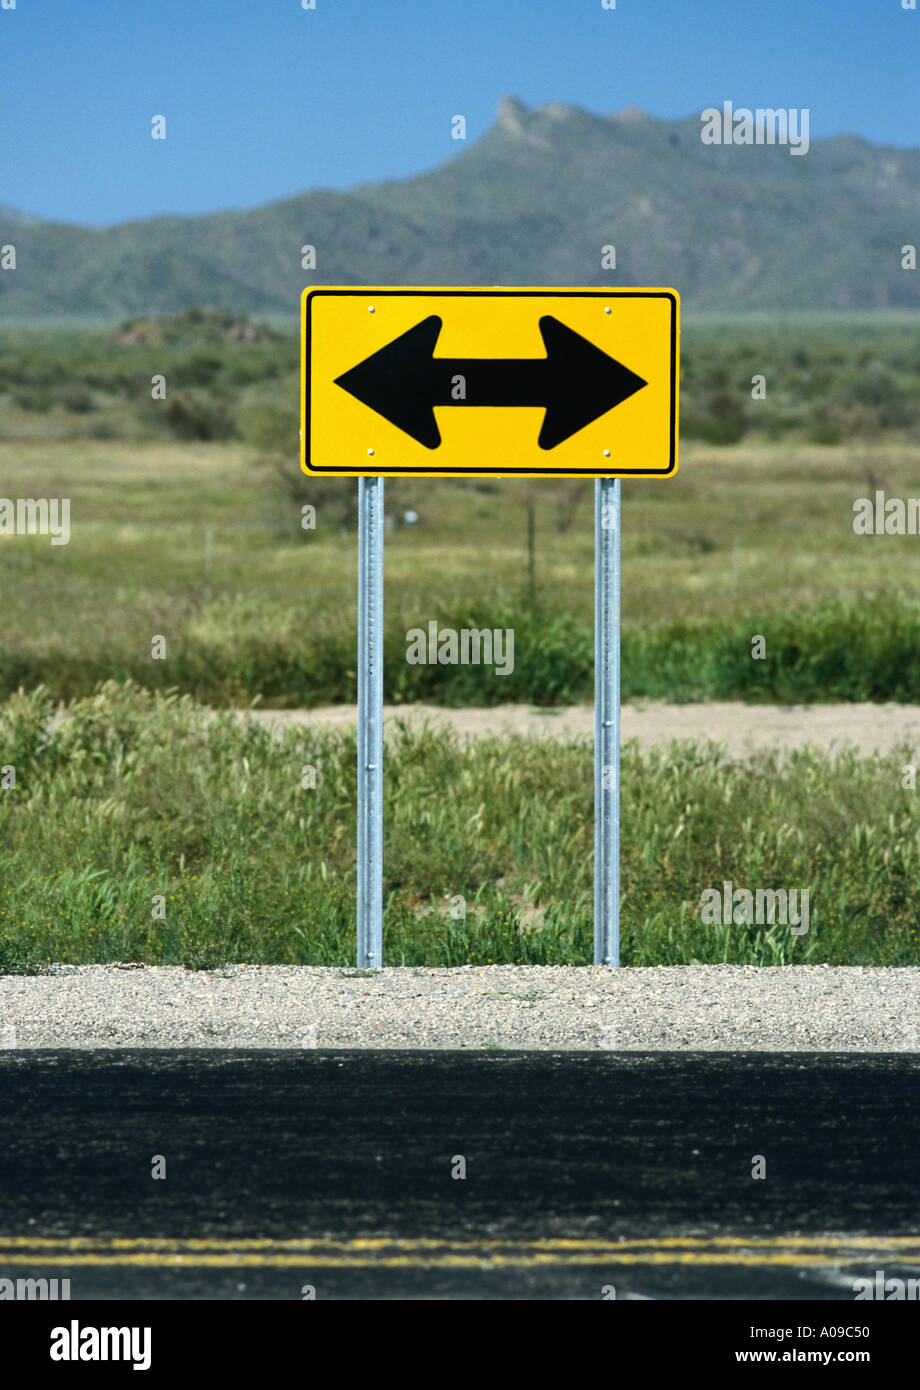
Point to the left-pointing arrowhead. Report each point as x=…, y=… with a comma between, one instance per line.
x=396, y=382
x=583, y=382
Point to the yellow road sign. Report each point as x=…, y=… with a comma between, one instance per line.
x=489, y=382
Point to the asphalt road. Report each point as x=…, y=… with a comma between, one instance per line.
x=286, y=1169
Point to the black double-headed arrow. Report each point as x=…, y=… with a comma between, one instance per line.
x=576, y=382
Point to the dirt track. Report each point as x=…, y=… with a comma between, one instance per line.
x=740, y=727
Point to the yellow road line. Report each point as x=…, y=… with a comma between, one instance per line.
x=446, y=1260
x=309, y=1244
x=389, y=1253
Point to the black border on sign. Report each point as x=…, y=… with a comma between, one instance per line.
x=485, y=293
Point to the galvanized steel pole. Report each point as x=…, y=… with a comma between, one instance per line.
x=370, y=722
x=607, y=721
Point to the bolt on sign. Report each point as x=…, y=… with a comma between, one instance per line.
x=489, y=382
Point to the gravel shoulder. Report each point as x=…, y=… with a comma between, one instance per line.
x=739, y=727
x=715, y=1008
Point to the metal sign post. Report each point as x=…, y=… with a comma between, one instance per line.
x=370, y=723
x=607, y=721
x=530, y=382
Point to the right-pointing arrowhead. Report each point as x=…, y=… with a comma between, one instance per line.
x=584, y=382
x=396, y=382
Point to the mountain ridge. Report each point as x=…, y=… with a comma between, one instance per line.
x=533, y=201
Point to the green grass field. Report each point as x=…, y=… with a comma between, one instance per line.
x=186, y=524
x=199, y=544
x=138, y=831
x=185, y=528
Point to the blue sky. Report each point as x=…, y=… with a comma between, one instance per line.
x=264, y=99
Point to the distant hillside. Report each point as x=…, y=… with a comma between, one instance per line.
x=533, y=201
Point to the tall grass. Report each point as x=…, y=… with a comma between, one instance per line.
x=840, y=649
x=139, y=828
